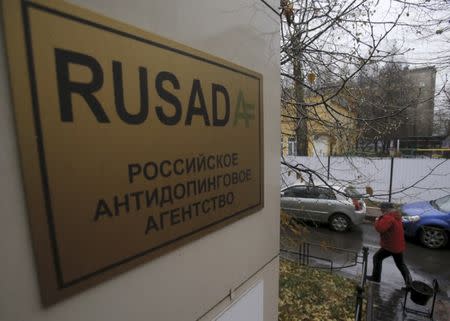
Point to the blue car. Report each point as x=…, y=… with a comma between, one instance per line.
x=429, y=221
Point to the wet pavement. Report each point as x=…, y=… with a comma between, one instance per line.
x=387, y=297
x=386, y=304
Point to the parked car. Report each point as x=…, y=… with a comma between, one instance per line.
x=429, y=221
x=339, y=206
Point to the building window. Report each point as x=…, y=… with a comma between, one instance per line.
x=292, y=146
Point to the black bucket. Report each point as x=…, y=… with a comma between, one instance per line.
x=421, y=292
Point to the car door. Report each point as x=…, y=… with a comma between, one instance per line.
x=311, y=204
x=288, y=200
x=299, y=202
x=326, y=201
x=291, y=201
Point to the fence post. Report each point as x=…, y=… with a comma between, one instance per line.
x=328, y=170
x=300, y=248
x=359, y=300
x=361, y=285
x=390, y=180
x=365, y=257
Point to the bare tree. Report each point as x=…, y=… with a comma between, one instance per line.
x=327, y=45
x=327, y=42
x=385, y=90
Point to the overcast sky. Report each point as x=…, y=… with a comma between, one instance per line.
x=424, y=46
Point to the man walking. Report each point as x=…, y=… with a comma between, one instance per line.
x=392, y=242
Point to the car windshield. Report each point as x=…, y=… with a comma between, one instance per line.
x=352, y=192
x=442, y=204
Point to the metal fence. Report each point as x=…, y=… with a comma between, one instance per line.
x=361, y=286
x=322, y=256
x=308, y=254
x=399, y=180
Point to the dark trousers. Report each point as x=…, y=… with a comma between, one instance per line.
x=399, y=262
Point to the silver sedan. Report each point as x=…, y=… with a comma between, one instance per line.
x=339, y=206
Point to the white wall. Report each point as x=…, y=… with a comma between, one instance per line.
x=248, y=308
x=194, y=281
x=413, y=179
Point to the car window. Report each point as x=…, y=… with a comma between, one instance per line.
x=443, y=204
x=310, y=192
x=325, y=193
x=352, y=192
x=288, y=192
x=297, y=191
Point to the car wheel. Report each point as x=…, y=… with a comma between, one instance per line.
x=433, y=237
x=339, y=223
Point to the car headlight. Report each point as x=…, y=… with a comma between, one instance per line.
x=412, y=218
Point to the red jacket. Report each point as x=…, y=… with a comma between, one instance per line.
x=390, y=228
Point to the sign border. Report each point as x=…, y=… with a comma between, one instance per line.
x=62, y=284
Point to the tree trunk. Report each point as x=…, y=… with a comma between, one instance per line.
x=302, y=128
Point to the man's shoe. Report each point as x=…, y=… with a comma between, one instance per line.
x=371, y=279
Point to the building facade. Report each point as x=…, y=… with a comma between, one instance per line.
x=419, y=122
x=331, y=127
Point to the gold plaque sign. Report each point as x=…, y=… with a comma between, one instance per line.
x=131, y=144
